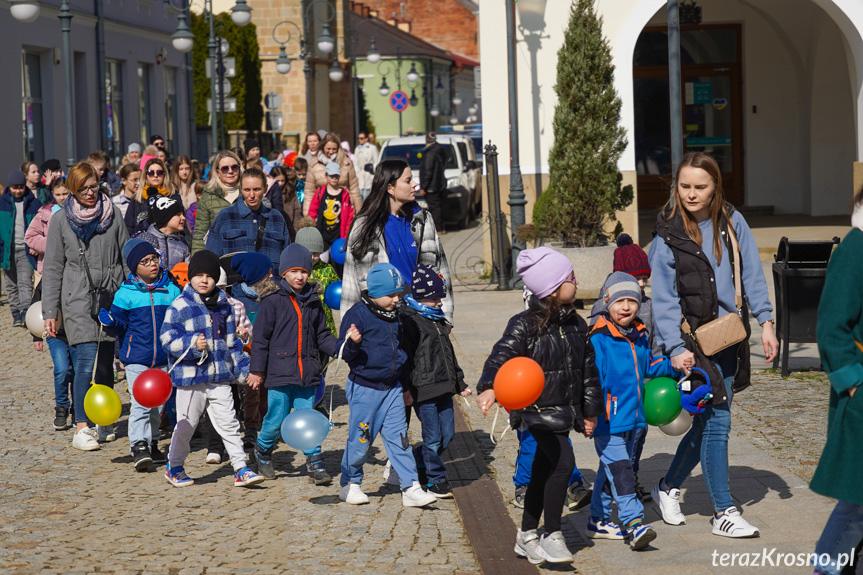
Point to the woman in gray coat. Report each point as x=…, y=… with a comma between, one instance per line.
x=87, y=234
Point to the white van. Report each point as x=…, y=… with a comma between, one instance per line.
x=462, y=200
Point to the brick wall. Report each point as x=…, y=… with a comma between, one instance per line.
x=444, y=23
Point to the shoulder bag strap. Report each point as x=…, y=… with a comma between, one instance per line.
x=735, y=258
x=262, y=228
x=85, y=264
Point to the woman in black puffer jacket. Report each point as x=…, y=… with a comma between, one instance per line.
x=553, y=335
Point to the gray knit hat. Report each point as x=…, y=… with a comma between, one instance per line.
x=311, y=239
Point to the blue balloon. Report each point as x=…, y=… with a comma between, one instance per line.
x=333, y=295
x=319, y=392
x=337, y=251
x=305, y=429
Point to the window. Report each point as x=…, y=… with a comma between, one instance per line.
x=34, y=136
x=144, y=108
x=114, y=110
x=171, y=109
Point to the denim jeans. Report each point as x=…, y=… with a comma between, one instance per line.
x=374, y=411
x=840, y=538
x=707, y=441
x=280, y=401
x=143, y=421
x=438, y=429
x=615, y=478
x=86, y=353
x=64, y=358
x=640, y=435
x=524, y=460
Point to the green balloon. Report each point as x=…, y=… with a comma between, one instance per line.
x=661, y=401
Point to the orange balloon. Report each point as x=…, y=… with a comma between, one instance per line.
x=519, y=382
x=248, y=347
x=181, y=272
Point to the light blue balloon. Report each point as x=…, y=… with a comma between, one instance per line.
x=305, y=429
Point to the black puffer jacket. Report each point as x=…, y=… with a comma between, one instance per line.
x=434, y=370
x=558, y=347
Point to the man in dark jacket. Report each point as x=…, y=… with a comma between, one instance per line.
x=433, y=179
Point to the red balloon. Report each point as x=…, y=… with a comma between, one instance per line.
x=519, y=382
x=152, y=388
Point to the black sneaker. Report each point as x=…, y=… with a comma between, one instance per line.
x=440, y=490
x=322, y=410
x=577, y=496
x=156, y=454
x=17, y=320
x=315, y=468
x=264, y=463
x=518, y=500
x=141, y=454
x=250, y=438
x=60, y=416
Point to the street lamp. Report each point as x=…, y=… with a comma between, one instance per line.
x=241, y=13
x=326, y=42
x=183, y=39
x=283, y=63
x=384, y=89
x=456, y=101
x=337, y=73
x=373, y=56
x=413, y=100
x=434, y=112
x=24, y=11
x=412, y=75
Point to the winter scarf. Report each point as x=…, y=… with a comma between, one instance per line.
x=427, y=311
x=377, y=310
x=87, y=222
x=211, y=299
x=160, y=282
x=148, y=193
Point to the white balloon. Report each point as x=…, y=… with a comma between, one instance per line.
x=34, y=321
x=679, y=426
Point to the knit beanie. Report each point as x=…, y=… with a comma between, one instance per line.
x=252, y=266
x=618, y=286
x=16, y=178
x=630, y=258
x=53, y=164
x=295, y=256
x=310, y=238
x=162, y=209
x=204, y=262
x=427, y=283
x=384, y=279
x=249, y=144
x=543, y=270
x=134, y=251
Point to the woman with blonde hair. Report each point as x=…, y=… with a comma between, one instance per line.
x=316, y=177
x=183, y=179
x=152, y=183
x=221, y=191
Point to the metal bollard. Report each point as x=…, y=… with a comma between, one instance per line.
x=496, y=217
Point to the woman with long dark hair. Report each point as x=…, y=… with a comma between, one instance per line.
x=692, y=263
x=392, y=227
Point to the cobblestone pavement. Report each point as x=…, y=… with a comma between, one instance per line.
x=66, y=511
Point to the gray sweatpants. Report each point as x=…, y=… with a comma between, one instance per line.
x=19, y=281
x=219, y=403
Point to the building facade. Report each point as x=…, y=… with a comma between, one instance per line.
x=145, y=82
x=771, y=88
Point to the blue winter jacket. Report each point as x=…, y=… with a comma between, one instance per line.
x=377, y=361
x=290, y=332
x=137, y=315
x=235, y=229
x=622, y=366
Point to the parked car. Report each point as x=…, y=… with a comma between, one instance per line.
x=462, y=200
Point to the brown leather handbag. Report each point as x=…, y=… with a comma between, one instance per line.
x=714, y=336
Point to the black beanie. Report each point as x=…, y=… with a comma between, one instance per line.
x=249, y=144
x=205, y=262
x=162, y=209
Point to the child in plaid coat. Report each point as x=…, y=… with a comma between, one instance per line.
x=199, y=336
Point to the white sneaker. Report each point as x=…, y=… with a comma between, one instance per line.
x=552, y=548
x=669, y=504
x=526, y=543
x=85, y=440
x=391, y=476
x=415, y=496
x=214, y=458
x=106, y=433
x=731, y=524
x=353, y=494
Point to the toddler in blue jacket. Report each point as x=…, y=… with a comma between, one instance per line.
x=376, y=388
x=619, y=355
x=135, y=319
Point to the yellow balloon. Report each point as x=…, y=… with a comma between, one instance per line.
x=102, y=405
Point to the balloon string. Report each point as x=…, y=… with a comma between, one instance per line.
x=96, y=359
x=335, y=374
x=185, y=353
x=494, y=424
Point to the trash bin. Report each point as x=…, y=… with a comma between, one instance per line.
x=799, y=273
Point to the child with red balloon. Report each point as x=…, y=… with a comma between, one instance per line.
x=620, y=358
x=135, y=319
x=545, y=342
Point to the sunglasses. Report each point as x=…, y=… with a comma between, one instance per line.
x=233, y=169
x=159, y=173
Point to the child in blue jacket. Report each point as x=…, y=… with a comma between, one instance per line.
x=619, y=355
x=290, y=332
x=376, y=388
x=135, y=319
x=205, y=356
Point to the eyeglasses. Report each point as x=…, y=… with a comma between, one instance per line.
x=149, y=261
x=88, y=189
x=233, y=169
x=158, y=173
x=570, y=278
